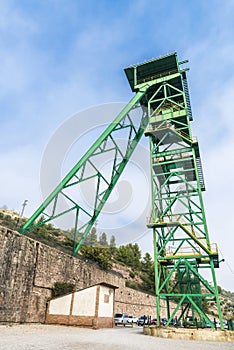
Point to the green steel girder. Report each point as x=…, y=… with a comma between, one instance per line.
x=107, y=142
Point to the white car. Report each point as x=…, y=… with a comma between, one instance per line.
x=120, y=319
x=132, y=319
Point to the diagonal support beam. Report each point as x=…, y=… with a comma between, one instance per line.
x=78, y=172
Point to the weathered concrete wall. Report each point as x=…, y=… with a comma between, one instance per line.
x=29, y=269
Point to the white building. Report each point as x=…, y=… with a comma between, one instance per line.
x=90, y=307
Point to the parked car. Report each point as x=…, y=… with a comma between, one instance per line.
x=215, y=324
x=164, y=321
x=132, y=319
x=154, y=322
x=120, y=319
x=193, y=323
x=172, y=322
x=225, y=324
x=143, y=320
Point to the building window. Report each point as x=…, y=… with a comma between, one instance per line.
x=106, y=298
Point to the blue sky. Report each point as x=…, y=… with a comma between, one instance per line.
x=60, y=57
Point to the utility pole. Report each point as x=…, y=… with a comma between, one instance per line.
x=22, y=212
x=23, y=207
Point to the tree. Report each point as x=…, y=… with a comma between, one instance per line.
x=130, y=255
x=103, y=240
x=148, y=283
x=148, y=274
x=112, y=241
x=92, y=238
x=100, y=255
x=148, y=279
x=147, y=262
x=136, y=256
x=112, y=245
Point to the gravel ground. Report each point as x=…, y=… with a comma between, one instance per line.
x=47, y=337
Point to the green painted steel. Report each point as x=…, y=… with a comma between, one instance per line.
x=182, y=249
x=131, y=128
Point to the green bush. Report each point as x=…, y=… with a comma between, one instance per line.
x=132, y=274
x=132, y=284
x=62, y=288
x=101, y=255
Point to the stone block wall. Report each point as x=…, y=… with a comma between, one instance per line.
x=18, y=295
x=29, y=269
x=137, y=303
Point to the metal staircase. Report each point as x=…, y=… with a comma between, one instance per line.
x=200, y=173
x=187, y=97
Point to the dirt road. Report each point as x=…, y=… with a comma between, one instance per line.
x=44, y=337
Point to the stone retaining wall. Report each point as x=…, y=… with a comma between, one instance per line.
x=29, y=269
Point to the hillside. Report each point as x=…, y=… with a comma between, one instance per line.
x=126, y=260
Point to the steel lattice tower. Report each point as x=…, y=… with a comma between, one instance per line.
x=181, y=240
x=182, y=249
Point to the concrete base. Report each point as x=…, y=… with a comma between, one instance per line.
x=190, y=334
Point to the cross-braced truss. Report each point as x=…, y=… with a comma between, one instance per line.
x=90, y=177
x=181, y=240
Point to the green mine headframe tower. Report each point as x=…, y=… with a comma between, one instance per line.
x=161, y=110
x=181, y=241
